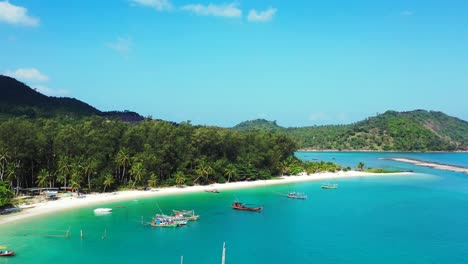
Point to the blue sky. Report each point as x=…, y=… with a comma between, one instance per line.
x=219, y=62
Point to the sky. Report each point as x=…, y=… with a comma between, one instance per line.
x=221, y=62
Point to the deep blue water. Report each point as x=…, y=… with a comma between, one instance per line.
x=422, y=218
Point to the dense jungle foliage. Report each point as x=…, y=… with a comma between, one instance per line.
x=96, y=153
x=392, y=131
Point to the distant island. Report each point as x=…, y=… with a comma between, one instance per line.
x=417, y=130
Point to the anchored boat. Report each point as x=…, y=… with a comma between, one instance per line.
x=186, y=215
x=7, y=253
x=242, y=206
x=103, y=210
x=296, y=195
x=330, y=186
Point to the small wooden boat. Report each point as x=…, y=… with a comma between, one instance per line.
x=330, y=186
x=212, y=191
x=186, y=215
x=7, y=253
x=296, y=195
x=102, y=210
x=241, y=206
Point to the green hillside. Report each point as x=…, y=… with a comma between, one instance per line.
x=18, y=99
x=417, y=130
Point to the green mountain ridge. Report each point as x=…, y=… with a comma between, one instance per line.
x=417, y=130
x=18, y=99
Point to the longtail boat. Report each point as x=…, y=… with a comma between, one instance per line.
x=212, y=191
x=241, y=206
x=296, y=195
x=7, y=253
x=186, y=215
x=330, y=186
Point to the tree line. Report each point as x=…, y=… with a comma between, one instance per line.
x=100, y=154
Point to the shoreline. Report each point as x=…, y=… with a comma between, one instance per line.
x=433, y=165
x=69, y=203
x=380, y=151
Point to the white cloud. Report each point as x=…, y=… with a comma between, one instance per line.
x=159, y=5
x=406, y=13
x=50, y=92
x=27, y=74
x=261, y=16
x=16, y=15
x=121, y=45
x=223, y=10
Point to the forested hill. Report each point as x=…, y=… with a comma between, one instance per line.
x=18, y=99
x=417, y=130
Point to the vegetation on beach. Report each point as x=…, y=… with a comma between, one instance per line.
x=5, y=194
x=101, y=154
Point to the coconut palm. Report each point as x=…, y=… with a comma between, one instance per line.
x=123, y=160
x=153, y=180
x=137, y=171
x=180, y=178
x=76, y=177
x=108, y=181
x=230, y=171
x=361, y=165
x=203, y=169
x=43, y=178
x=64, y=170
x=89, y=167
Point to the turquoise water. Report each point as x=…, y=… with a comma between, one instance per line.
x=421, y=218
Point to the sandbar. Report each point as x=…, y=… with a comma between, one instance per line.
x=433, y=165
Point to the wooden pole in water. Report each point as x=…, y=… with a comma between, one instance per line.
x=81, y=234
x=223, y=258
x=181, y=259
x=104, y=236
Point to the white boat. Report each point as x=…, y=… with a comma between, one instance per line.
x=102, y=210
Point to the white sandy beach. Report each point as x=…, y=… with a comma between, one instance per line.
x=67, y=203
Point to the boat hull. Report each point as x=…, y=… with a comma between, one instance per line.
x=8, y=254
x=165, y=225
x=297, y=197
x=243, y=208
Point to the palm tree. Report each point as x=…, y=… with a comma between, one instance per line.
x=180, y=178
x=123, y=160
x=76, y=173
x=42, y=178
x=360, y=165
x=203, y=169
x=229, y=171
x=137, y=171
x=10, y=174
x=108, y=181
x=89, y=168
x=153, y=180
x=64, y=170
